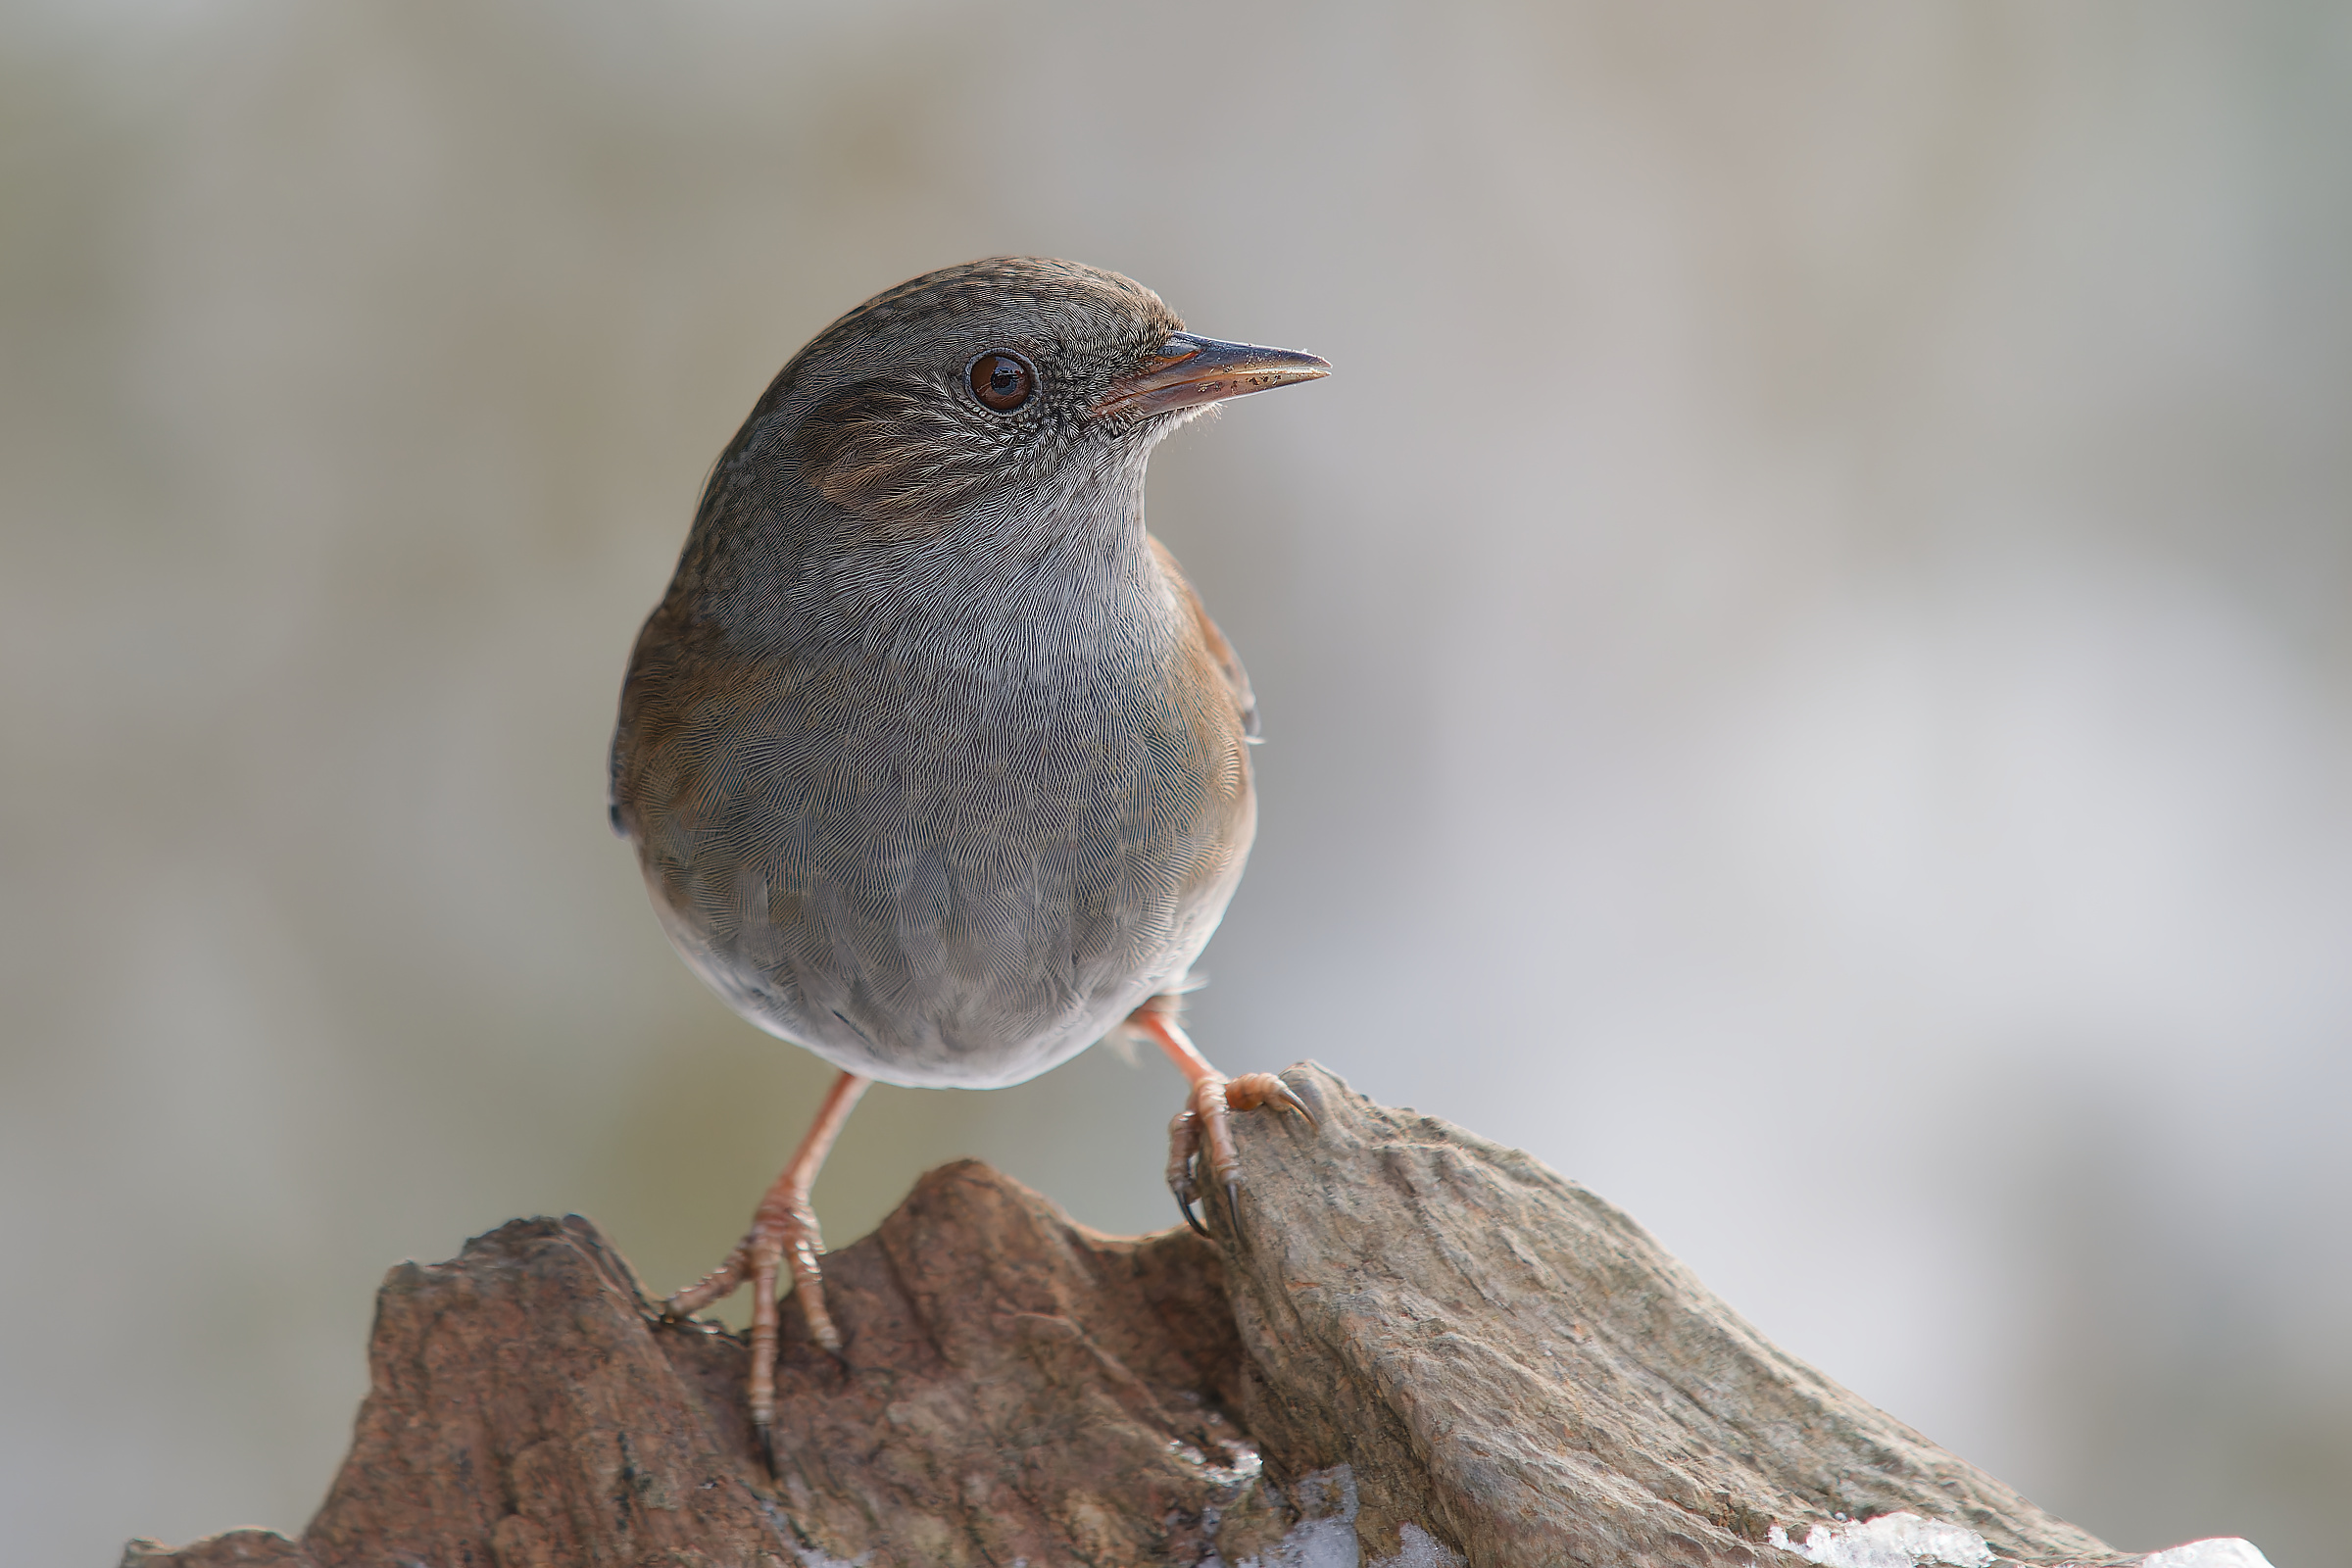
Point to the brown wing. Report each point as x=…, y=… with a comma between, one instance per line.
x=652, y=709
x=1229, y=663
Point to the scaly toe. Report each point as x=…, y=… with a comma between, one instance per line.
x=1183, y=1142
x=1215, y=1115
x=1252, y=1090
x=716, y=1285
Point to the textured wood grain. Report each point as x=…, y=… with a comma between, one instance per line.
x=1415, y=1349
x=1512, y=1363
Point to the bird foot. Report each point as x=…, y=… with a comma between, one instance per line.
x=783, y=1232
x=783, y=1235
x=1202, y=1124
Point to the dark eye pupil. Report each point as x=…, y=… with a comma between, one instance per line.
x=1001, y=381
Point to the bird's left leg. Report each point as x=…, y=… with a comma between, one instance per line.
x=1201, y=1124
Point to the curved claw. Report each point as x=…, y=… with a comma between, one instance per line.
x=1183, y=1142
x=1286, y=1097
x=1201, y=1130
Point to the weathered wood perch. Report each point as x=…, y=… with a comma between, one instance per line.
x=1415, y=1345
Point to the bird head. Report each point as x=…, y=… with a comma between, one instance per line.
x=1004, y=388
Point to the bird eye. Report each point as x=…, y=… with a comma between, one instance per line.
x=1003, y=381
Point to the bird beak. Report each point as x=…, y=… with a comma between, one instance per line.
x=1186, y=371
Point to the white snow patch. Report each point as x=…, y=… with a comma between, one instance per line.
x=2222, y=1551
x=1421, y=1550
x=811, y=1557
x=1326, y=1537
x=1891, y=1541
x=1316, y=1543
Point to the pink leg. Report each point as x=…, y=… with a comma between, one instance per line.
x=783, y=1227
x=1203, y=1121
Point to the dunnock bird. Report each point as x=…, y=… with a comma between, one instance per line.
x=934, y=763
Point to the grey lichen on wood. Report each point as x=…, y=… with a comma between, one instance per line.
x=1412, y=1346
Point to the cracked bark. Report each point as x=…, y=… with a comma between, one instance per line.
x=1415, y=1344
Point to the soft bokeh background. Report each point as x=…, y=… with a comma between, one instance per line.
x=1805, y=650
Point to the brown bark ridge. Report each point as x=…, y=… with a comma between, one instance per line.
x=1412, y=1348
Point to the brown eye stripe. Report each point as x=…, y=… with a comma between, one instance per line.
x=1003, y=381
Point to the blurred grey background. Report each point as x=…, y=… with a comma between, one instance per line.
x=1823, y=571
